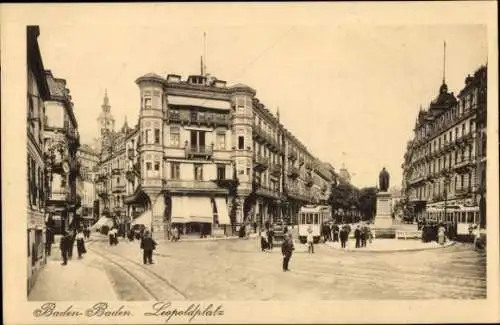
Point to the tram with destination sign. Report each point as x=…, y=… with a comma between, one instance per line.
x=313, y=217
x=465, y=217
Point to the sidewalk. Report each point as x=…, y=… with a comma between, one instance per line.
x=198, y=239
x=391, y=245
x=81, y=279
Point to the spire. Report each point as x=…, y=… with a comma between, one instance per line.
x=204, y=54
x=444, y=63
x=106, y=99
x=278, y=113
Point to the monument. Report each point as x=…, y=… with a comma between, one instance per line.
x=383, y=226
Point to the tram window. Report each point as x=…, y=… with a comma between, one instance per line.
x=470, y=217
x=316, y=219
x=309, y=218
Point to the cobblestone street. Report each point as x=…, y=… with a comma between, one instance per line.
x=237, y=270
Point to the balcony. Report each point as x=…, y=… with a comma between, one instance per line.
x=204, y=152
x=309, y=181
x=59, y=195
x=276, y=170
x=189, y=186
x=293, y=172
x=301, y=161
x=131, y=153
x=292, y=155
x=119, y=188
x=130, y=175
x=116, y=171
x=265, y=191
x=308, y=166
x=462, y=191
x=463, y=164
x=260, y=163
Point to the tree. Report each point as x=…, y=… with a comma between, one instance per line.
x=367, y=202
x=343, y=196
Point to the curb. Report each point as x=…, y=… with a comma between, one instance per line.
x=451, y=243
x=192, y=240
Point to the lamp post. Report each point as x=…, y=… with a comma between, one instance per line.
x=446, y=185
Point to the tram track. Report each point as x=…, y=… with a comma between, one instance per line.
x=155, y=285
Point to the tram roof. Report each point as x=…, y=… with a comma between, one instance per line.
x=314, y=208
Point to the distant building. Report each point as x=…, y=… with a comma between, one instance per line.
x=444, y=164
x=88, y=160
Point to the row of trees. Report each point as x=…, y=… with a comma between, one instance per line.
x=346, y=198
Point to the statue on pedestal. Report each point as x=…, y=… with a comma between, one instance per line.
x=383, y=179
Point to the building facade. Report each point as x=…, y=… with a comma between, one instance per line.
x=61, y=143
x=38, y=92
x=443, y=169
x=88, y=159
x=205, y=157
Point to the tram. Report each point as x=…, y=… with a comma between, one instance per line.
x=313, y=216
x=465, y=217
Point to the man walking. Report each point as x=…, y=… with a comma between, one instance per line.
x=148, y=245
x=287, y=249
x=357, y=236
x=63, y=246
x=270, y=237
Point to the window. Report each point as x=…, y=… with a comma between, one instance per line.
x=221, y=141
x=147, y=102
x=157, y=136
x=198, y=172
x=118, y=180
x=147, y=136
x=175, y=170
x=148, y=166
x=175, y=137
x=241, y=142
x=221, y=171
x=157, y=166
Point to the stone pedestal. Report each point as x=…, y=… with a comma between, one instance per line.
x=383, y=226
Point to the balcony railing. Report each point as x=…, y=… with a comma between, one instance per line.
x=292, y=155
x=207, y=119
x=465, y=162
x=276, y=170
x=131, y=153
x=260, y=163
x=293, y=172
x=199, y=151
x=309, y=180
x=118, y=188
x=59, y=195
x=460, y=191
x=116, y=171
x=190, y=184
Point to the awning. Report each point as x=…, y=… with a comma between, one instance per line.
x=222, y=213
x=103, y=221
x=200, y=209
x=179, y=209
x=144, y=219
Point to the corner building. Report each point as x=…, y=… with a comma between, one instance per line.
x=444, y=165
x=211, y=156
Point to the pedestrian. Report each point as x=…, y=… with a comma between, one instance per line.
x=148, y=245
x=64, y=247
x=441, y=235
x=270, y=238
x=80, y=243
x=175, y=234
x=71, y=243
x=115, y=236
x=357, y=236
x=310, y=241
x=49, y=240
x=364, y=235
x=287, y=249
x=255, y=227
x=264, y=245
x=335, y=230
x=343, y=236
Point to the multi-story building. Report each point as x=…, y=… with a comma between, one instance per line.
x=205, y=156
x=38, y=92
x=62, y=141
x=443, y=165
x=88, y=159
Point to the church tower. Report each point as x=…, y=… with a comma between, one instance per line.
x=105, y=121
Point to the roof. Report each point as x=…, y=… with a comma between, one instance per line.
x=150, y=75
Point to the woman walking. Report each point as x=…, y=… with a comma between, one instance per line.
x=287, y=249
x=148, y=245
x=263, y=241
x=80, y=243
x=310, y=241
x=441, y=234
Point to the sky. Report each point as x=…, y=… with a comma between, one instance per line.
x=350, y=93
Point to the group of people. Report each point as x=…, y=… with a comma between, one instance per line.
x=67, y=244
x=340, y=233
x=267, y=239
x=362, y=234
